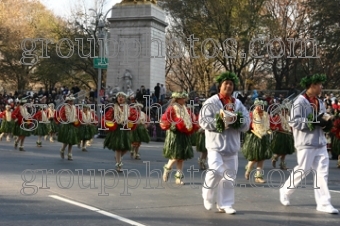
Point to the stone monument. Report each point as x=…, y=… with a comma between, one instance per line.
x=136, y=45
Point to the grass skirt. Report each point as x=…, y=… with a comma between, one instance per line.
x=52, y=127
x=68, y=134
x=86, y=132
x=200, y=142
x=118, y=140
x=336, y=146
x=193, y=138
x=256, y=149
x=282, y=144
x=41, y=130
x=177, y=146
x=140, y=134
x=7, y=126
x=17, y=131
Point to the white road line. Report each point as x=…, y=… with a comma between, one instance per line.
x=131, y=222
x=334, y=191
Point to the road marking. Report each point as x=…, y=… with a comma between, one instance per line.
x=131, y=222
x=334, y=191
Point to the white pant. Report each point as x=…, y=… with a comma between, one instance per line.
x=220, y=179
x=316, y=159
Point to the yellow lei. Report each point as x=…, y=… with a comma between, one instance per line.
x=284, y=123
x=44, y=116
x=121, y=115
x=24, y=113
x=261, y=123
x=182, y=112
x=71, y=113
x=8, y=116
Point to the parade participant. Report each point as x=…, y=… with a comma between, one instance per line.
x=140, y=134
x=87, y=128
x=223, y=118
x=178, y=123
x=335, y=137
x=95, y=128
x=256, y=147
x=69, y=123
x=283, y=142
x=7, y=123
x=309, y=120
x=22, y=127
x=42, y=121
x=200, y=147
x=52, y=126
x=119, y=120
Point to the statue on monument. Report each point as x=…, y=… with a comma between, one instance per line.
x=127, y=79
x=129, y=91
x=135, y=1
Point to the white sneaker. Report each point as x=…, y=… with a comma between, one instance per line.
x=327, y=209
x=207, y=204
x=228, y=210
x=284, y=199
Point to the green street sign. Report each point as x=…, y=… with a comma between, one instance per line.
x=100, y=63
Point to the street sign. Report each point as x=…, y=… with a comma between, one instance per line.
x=100, y=63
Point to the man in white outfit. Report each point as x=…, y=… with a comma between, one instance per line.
x=311, y=144
x=223, y=143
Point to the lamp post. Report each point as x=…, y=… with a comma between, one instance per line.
x=100, y=25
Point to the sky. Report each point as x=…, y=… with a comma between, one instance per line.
x=64, y=8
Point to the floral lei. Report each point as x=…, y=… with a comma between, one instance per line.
x=121, y=115
x=24, y=113
x=182, y=112
x=284, y=123
x=260, y=123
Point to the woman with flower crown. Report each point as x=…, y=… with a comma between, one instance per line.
x=87, y=129
x=22, y=126
x=120, y=120
x=140, y=134
x=7, y=123
x=69, y=123
x=178, y=123
x=42, y=129
x=283, y=142
x=256, y=147
x=52, y=126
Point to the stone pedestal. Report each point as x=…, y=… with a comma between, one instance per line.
x=136, y=46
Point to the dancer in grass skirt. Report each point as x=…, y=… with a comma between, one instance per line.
x=140, y=134
x=178, y=123
x=69, y=123
x=95, y=128
x=87, y=128
x=42, y=125
x=283, y=141
x=7, y=123
x=336, y=138
x=119, y=120
x=256, y=147
x=200, y=147
x=23, y=125
x=52, y=126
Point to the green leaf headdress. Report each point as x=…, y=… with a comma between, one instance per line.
x=227, y=76
x=314, y=79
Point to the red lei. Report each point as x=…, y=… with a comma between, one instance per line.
x=314, y=102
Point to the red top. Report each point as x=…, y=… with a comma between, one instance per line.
x=17, y=115
x=170, y=117
x=109, y=122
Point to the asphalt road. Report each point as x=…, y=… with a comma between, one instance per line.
x=39, y=188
